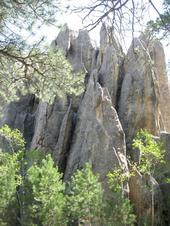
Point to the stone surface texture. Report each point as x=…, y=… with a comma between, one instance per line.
x=159, y=66
x=139, y=104
x=146, y=196
x=98, y=137
x=109, y=62
x=21, y=115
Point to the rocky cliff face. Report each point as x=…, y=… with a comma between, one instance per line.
x=122, y=95
x=98, y=137
x=140, y=99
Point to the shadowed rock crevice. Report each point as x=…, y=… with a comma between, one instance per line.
x=62, y=149
x=119, y=85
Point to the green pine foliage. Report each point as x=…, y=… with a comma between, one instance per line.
x=32, y=68
x=162, y=23
x=32, y=192
x=151, y=151
x=9, y=181
x=48, y=193
x=42, y=72
x=13, y=138
x=118, y=209
x=84, y=196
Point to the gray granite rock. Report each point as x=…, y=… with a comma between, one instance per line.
x=47, y=125
x=21, y=115
x=157, y=54
x=139, y=104
x=109, y=62
x=77, y=47
x=98, y=137
x=63, y=40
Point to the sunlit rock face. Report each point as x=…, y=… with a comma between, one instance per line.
x=98, y=136
x=77, y=47
x=83, y=56
x=109, y=63
x=140, y=99
x=159, y=66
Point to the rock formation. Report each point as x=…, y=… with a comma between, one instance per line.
x=109, y=63
x=21, y=115
x=159, y=66
x=122, y=95
x=139, y=104
x=98, y=136
x=146, y=196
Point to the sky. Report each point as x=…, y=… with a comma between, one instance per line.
x=74, y=22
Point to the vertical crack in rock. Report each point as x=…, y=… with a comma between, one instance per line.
x=109, y=62
x=62, y=147
x=119, y=85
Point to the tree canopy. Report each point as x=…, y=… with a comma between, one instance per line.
x=31, y=67
x=162, y=23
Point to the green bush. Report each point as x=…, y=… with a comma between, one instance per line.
x=84, y=196
x=9, y=181
x=118, y=209
x=48, y=192
x=32, y=192
x=151, y=151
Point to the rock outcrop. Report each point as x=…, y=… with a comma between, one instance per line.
x=139, y=104
x=146, y=196
x=54, y=124
x=21, y=115
x=109, y=63
x=48, y=123
x=53, y=128
x=122, y=95
x=157, y=55
x=165, y=139
x=165, y=186
x=77, y=47
x=98, y=136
